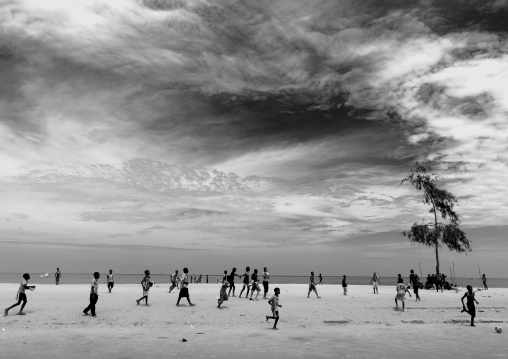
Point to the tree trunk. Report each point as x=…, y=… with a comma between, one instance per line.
x=437, y=239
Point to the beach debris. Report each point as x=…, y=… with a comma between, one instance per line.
x=184, y=340
x=499, y=329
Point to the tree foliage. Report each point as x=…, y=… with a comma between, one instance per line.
x=442, y=202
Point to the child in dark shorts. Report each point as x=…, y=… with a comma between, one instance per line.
x=471, y=309
x=184, y=291
x=145, y=284
x=21, y=295
x=246, y=282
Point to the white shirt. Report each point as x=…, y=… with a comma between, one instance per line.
x=95, y=287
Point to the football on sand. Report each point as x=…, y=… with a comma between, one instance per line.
x=499, y=329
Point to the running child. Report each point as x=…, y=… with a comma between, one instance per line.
x=21, y=296
x=231, y=280
x=375, y=282
x=184, y=290
x=266, y=278
x=344, y=284
x=174, y=281
x=94, y=294
x=312, y=285
x=415, y=282
x=274, y=303
x=223, y=296
x=255, y=284
x=111, y=280
x=145, y=284
x=471, y=309
x=401, y=295
x=246, y=282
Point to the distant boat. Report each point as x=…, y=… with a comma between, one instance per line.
x=45, y=275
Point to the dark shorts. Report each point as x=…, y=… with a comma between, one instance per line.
x=471, y=309
x=111, y=284
x=415, y=289
x=22, y=297
x=312, y=287
x=265, y=286
x=184, y=293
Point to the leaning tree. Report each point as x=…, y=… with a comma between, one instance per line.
x=442, y=202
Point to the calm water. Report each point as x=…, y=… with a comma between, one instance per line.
x=85, y=278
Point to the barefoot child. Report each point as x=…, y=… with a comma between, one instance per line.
x=145, y=284
x=266, y=278
x=401, y=295
x=255, y=284
x=375, y=282
x=312, y=285
x=111, y=280
x=94, y=296
x=184, y=290
x=223, y=296
x=484, y=280
x=471, y=309
x=21, y=296
x=231, y=280
x=57, y=276
x=415, y=282
x=274, y=302
x=246, y=282
x=344, y=285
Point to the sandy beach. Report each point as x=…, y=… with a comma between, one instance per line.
x=359, y=325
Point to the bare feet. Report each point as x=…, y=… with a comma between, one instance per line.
x=5, y=312
x=21, y=313
x=137, y=301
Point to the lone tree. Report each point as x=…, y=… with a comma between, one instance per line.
x=442, y=201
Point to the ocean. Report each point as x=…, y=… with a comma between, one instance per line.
x=85, y=278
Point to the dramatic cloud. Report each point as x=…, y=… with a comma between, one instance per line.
x=226, y=123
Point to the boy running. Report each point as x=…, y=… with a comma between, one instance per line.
x=145, y=284
x=266, y=278
x=94, y=295
x=231, y=280
x=274, y=302
x=401, y=295
x=375, y=282
x=312, y=285
x=246, y=282
x=184, y=290
x=174, y=281
x=471, y=309
x=21, y=296
x=111, y=280
x=255, y=284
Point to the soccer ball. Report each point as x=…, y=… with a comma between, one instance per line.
x=499, y=329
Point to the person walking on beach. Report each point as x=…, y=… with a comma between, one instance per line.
x=223, y=296
x=312, y=286
x=246, y=282
x=266, y=278
x=415, y=282
x=375, y=282
x=57, y=276
x=255, y=284
x=401, y=295
x=231, y=280
x=439, y=282
x=344, y=285
x=184, y=288
x=145, y=284
x=274, y=303
x=471, y=309
x=484, y=280
x=94, y=295
x=111, y=280
x=21, y=296
x=174, y=281
x=320, y=279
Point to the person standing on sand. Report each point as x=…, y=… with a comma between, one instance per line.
x=94, y=295
x=266, y=278
x=274, y=302
x=312, y=286
x=255, y=284
x=111, y=280
x=223, y=296
x=57, y=276
x=231, y=280
x=174, y=281
x=320, y=279
x=415, y=282
x=399, y=279
x=21, y=296
x=184, y=291
x=484, y=280
x=145, y=284
x=344, y=285
x=471, y=309
x=199, y=279
x=375, y=282
x=439, y=283
x=401, y=295
x=246, y=282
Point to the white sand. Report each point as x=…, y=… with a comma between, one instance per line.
x=363, y=325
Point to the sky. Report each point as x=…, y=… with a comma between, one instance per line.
x=157, y=134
